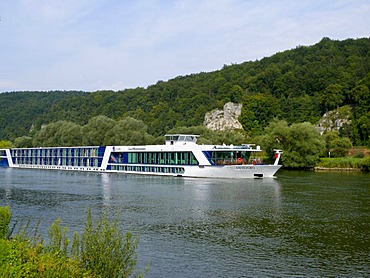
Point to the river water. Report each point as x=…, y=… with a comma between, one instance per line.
x=300, y=224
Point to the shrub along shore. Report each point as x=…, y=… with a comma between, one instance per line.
x=102, y=250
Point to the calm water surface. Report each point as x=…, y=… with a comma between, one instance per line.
x=297, y=225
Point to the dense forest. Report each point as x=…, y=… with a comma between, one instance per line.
x=297, y=85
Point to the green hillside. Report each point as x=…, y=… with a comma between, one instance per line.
x=296, y=85
x=20, y=112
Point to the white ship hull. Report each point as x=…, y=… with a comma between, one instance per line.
x=181, y=157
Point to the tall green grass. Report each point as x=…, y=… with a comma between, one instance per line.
x=345, y=162
x=102, y=250
x=5, y=216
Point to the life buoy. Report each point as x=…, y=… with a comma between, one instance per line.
x=240, y=160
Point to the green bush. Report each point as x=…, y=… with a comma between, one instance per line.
x=5, y=216
x=342, y=162
x=365, y=164
x=359, y=155
x=105, y=251
x=19, y=258
x=102, y=250
x=58, y=241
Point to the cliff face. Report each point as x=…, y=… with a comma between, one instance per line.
x=228, y=118
x=334, y=120
x=224, y=119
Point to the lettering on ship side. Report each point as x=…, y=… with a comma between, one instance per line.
x=245, y=167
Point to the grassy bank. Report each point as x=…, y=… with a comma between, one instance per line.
x=344, y=164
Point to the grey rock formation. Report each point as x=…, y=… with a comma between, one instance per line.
x=224, y=119
x=334, y=120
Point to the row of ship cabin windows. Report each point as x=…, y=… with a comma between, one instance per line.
x=74, y=152
x=159, y=158
x=87, y=162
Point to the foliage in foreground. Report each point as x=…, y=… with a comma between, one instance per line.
x=102, y=250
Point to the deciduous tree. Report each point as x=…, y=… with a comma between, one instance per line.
x=95, y=130
x=301, y=143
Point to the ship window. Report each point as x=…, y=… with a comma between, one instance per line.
x=189, y=138
x=185, y=158
x=132, y=158
x=172, y=138
x=229, y=157
x=172, y=158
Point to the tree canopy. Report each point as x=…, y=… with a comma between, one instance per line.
x=301, y=143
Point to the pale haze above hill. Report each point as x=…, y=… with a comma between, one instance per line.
x=94, y=45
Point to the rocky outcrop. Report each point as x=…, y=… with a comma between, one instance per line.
x=224, y=119
x=334, y=120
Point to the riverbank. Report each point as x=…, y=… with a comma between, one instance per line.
x=351, y=164
x=327, y=169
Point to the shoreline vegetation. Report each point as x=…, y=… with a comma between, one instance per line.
x=102, y=250
x=351, y=164
x=336, y=169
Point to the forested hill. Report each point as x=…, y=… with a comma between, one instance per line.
x=295, y=85
x=22, y=111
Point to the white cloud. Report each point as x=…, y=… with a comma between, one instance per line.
x=86, y=45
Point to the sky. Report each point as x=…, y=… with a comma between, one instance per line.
x=92, y=45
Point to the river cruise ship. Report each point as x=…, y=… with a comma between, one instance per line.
x=179, y=156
